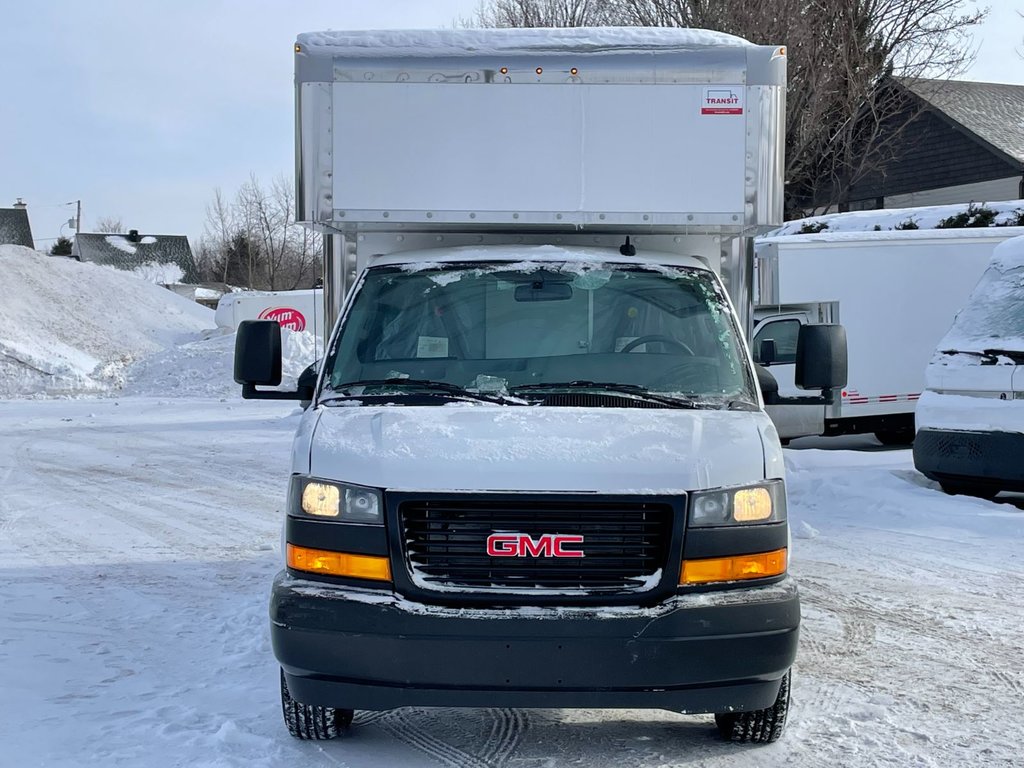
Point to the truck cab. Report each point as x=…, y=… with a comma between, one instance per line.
x=536, y=470
x=970, y=419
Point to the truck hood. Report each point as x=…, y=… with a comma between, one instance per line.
x=494, y=448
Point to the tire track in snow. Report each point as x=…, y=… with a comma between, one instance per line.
x=405, y=725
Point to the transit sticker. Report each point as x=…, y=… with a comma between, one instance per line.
x=722, y=100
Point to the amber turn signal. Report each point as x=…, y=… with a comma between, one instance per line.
x=757, y=566
x=338, y=563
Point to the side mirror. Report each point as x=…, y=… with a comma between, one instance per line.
x=821, y=357
x=767, y=353
x=258, y=361
x=258, y=353
x=769, y=386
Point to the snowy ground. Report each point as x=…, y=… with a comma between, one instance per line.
x=138, y=538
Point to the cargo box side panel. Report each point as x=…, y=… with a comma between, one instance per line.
x=896, y=301
x=581, y=153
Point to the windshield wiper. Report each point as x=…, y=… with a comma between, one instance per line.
x=987, y=357
x=634, y=390
x=427, y=385
x=1014, y=354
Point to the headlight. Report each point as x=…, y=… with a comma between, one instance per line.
x=762, y=503
x=328, y=500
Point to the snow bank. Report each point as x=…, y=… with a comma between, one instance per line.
x=69, y=328
x=76, y=329
x=161, y=274
x=203, y=367
x=925, y=218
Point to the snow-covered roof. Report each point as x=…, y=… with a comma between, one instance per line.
x=132, y=251
x=15, y=228
x=927, y=217
x=994, y=112
x=480, y=42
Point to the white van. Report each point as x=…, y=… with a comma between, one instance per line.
x=970, y=420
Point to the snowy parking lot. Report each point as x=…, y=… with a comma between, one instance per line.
x=138, y=538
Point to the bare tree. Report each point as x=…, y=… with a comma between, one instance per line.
x=548, y=13
x=110, y=225
x=255, y=240
x=846, y=111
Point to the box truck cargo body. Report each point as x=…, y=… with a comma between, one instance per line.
x=537, y=470
x=970, y=419
x=894, y=292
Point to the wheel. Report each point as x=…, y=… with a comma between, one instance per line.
x=311, y=721
x=760, y=726
x=656, y=337
x=896, y=437
x=968, y=489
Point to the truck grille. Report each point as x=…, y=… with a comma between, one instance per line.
x=625, y=543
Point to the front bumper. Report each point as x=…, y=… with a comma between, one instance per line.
x=367, y=649
x=982, y=458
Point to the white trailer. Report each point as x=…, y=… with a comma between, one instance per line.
x=537, y=470
x=895, y=292
x=298, y=311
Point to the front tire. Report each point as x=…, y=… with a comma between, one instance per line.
x=311, y=721
x=759, y=726
x=903, y=437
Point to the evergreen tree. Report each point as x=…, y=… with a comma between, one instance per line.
x=62, y=247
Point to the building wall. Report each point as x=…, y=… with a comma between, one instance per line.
x=980, y=192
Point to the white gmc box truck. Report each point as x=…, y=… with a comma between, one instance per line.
x=537, y=470
x=895, y=293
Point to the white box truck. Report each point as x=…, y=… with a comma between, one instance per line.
x=970, y=419
x=895, y=293
x=537, y=470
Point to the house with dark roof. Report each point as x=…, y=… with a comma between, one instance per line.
x=14, y=226
x=133, y=250
x=965, y=143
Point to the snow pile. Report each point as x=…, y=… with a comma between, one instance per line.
x=924, y=218
x=160, y=274
x=70, y=329
x=204, y=367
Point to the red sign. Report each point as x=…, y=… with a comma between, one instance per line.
x=289, y=318
x=524, y=545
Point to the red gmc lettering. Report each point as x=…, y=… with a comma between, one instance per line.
x=524, y=545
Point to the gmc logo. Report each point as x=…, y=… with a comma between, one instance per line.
x=524, y=545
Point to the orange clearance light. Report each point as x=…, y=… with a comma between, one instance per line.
x=504, y=70
x=574, y=71
x=338, y=563
x=540, y=70
x=298, y=48
x=734, y=568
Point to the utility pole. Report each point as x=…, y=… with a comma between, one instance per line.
x=78, y=215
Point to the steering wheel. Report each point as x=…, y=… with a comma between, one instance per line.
x=657, y=337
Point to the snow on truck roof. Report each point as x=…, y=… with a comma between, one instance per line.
x=483, y=42
x=530, y=254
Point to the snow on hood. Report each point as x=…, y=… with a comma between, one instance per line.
x=495, y=448
x=482, y=42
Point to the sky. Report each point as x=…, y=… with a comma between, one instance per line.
x=141, y=109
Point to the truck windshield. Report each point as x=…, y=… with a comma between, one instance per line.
x=519, y=328
x=994, y=315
